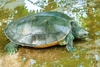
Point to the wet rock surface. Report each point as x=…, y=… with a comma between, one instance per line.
x=88, y=51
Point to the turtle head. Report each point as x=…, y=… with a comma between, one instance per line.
x=78, y=31
x=82, y=33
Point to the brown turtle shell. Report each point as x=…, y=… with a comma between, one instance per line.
x=39, y=30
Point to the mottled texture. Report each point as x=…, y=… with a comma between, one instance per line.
x=42, y=30
x=38, y=29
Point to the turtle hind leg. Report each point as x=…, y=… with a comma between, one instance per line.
x=11, y=48
x=69, y=39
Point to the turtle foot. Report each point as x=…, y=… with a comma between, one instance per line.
x=71, y=49
x=11, y=48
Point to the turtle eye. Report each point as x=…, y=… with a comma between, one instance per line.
x=86, y=33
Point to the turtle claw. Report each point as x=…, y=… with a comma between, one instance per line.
x=71, y=49
x=11, y=48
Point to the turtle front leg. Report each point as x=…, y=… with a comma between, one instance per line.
x=11, y=48
x=69, y=39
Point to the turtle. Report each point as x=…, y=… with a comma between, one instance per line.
x=41, y=30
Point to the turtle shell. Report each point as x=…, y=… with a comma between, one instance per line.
x=39, y=30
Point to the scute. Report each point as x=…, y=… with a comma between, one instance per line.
x=38, y=29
